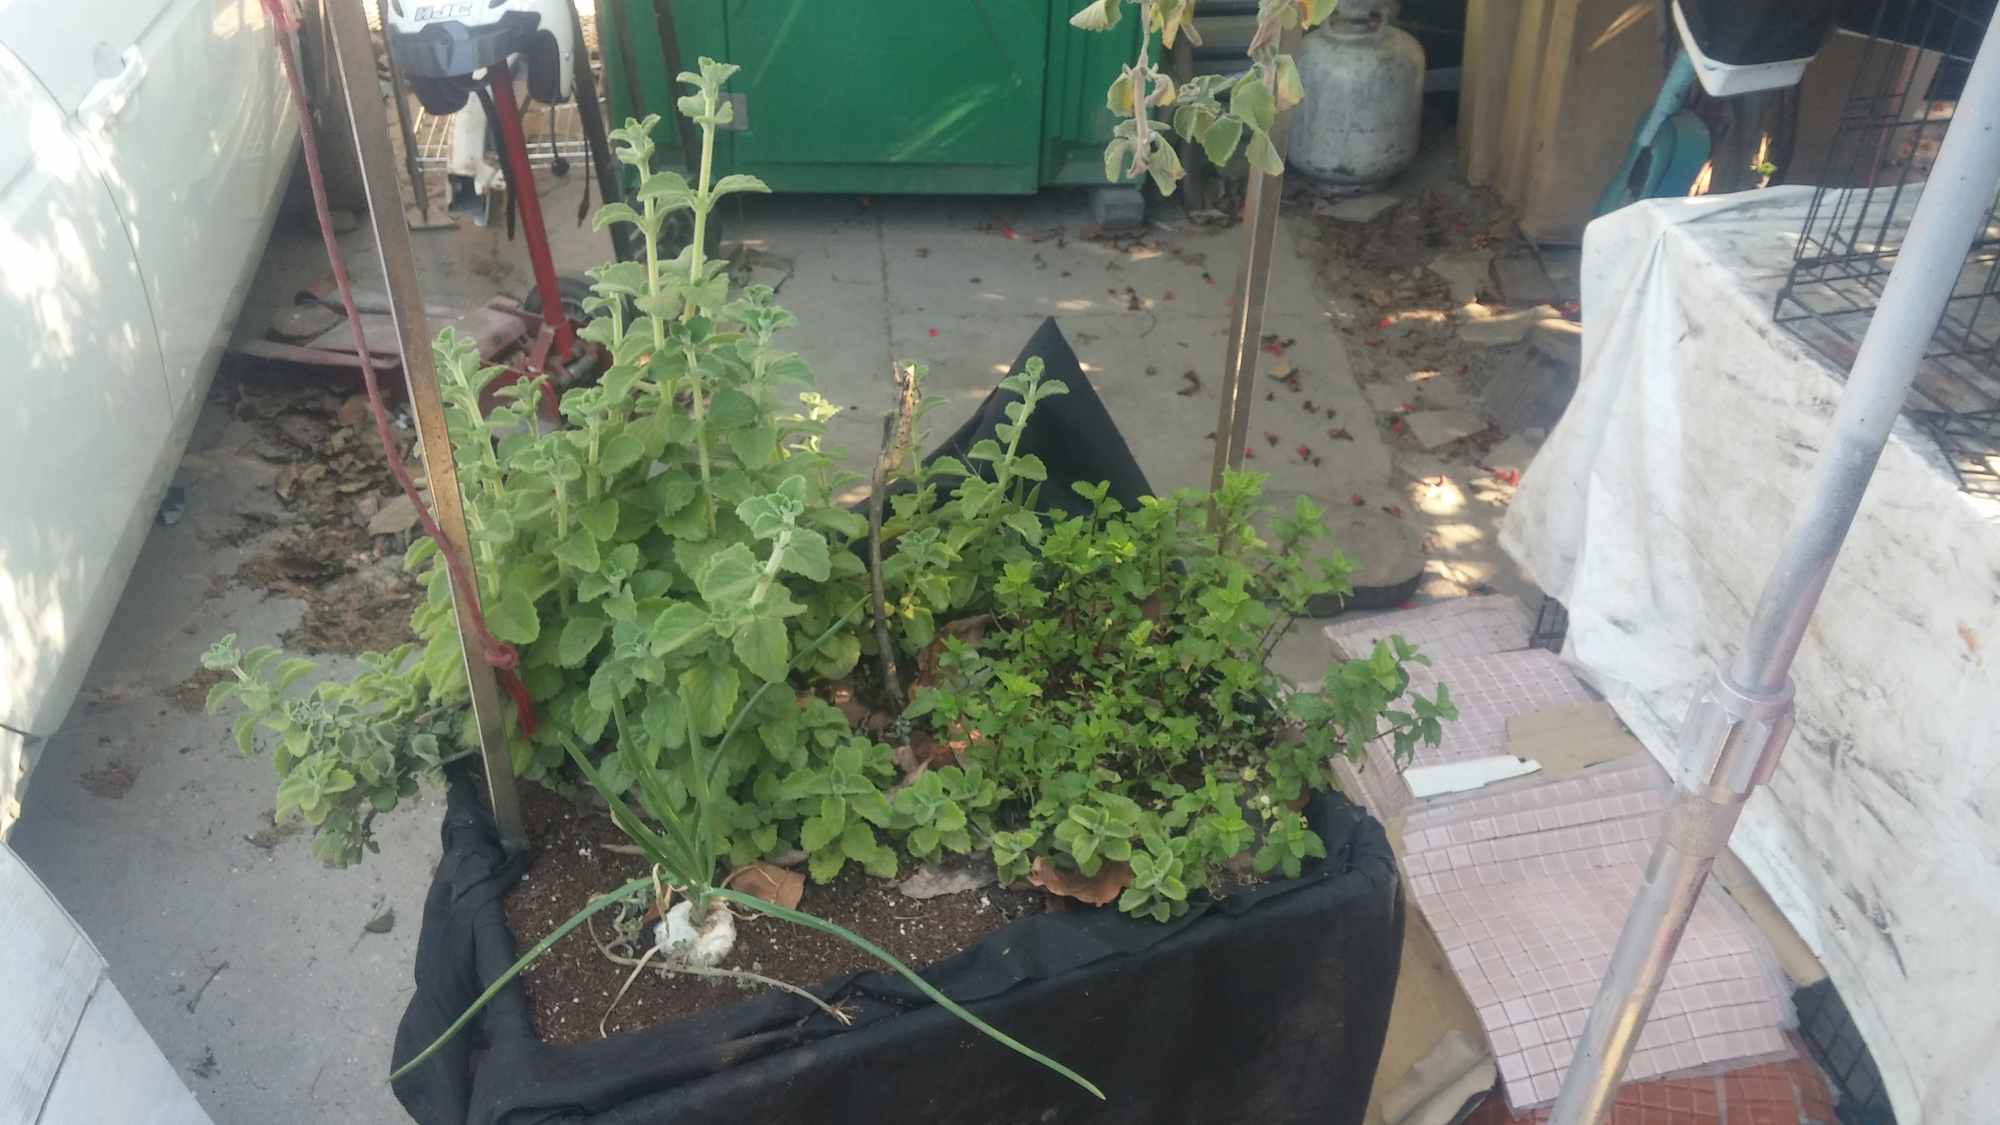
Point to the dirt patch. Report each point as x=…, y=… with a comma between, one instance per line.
x=570, y=988
x=112, y=780
x=267, y=838
x=331, y=477
x=368, y=611
x=191, y=694
x=206, y=1066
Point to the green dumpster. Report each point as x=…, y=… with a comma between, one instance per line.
x=880, y=96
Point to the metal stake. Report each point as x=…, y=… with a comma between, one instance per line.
x=1246, y=315
x=418, y=186
x=1737, y=729
x=356, y=62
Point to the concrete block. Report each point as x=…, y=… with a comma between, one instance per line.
x=1433, y=428
x=1358, y=209
x=1520, y=280
x=1465, y=271
x=1533, y=395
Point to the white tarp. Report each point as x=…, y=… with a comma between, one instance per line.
x=1654, y=512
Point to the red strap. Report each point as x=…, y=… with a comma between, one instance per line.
x=494, y=651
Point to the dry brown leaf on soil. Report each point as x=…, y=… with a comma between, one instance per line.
x=852, y=708
x=772, y=883
x=926, y=749
x=971, y=630
x=1109, y=882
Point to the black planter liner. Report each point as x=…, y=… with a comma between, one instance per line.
x=1269, y=1006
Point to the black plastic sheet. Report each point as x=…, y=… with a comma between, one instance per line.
x=1269, y=1006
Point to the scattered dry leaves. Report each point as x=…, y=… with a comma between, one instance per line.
x=1105, y=886
x=775, y=885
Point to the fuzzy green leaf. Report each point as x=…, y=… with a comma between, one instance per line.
x=1027, y=523
x=754, y=446
x=600, y=518
x=619, y=452
x=511, y=617
x=764, y=648
x=1251, y=101
x=579, y=636
x=1220, y=138
x=737, y=182
x=680, y=625
x=578, y=551
x=710, y=693
x=1263, y=156
x=806, y=555
x=817, y=833
x=729, y=577
x=1098, y=15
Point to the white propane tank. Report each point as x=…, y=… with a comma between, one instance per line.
x=1364, y=88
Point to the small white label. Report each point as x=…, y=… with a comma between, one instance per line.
x=431, y=13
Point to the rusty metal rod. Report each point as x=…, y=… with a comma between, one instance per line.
x=356, y=63
x=1246, y=314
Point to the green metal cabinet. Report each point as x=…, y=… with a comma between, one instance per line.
x=926, y=97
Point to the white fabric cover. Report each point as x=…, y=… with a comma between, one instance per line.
x=1654, y=512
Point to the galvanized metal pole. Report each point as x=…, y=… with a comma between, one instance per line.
x=1246, y=313
x=1737, y=729
x=355, y=57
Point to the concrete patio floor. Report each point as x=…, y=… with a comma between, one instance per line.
x=250, y=963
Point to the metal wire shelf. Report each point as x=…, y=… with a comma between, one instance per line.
x=1896, y=114
x=561, y=135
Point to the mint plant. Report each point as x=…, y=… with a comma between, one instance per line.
x=1126, y=713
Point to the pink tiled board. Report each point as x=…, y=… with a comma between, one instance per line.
x=1487, y=689
x=1460, y=627
x=1527, y=890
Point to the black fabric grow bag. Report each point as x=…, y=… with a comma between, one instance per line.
x=1268, y=1007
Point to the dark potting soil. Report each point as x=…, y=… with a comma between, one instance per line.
x=570, y=987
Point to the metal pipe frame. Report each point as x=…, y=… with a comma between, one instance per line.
x=355, y=59
x=1736, y=731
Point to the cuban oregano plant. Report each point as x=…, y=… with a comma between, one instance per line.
x=1220, y=112
x=656, y=560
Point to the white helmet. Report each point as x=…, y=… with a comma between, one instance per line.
x=443, y=45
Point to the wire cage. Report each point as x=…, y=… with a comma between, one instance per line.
x=1913, y=62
